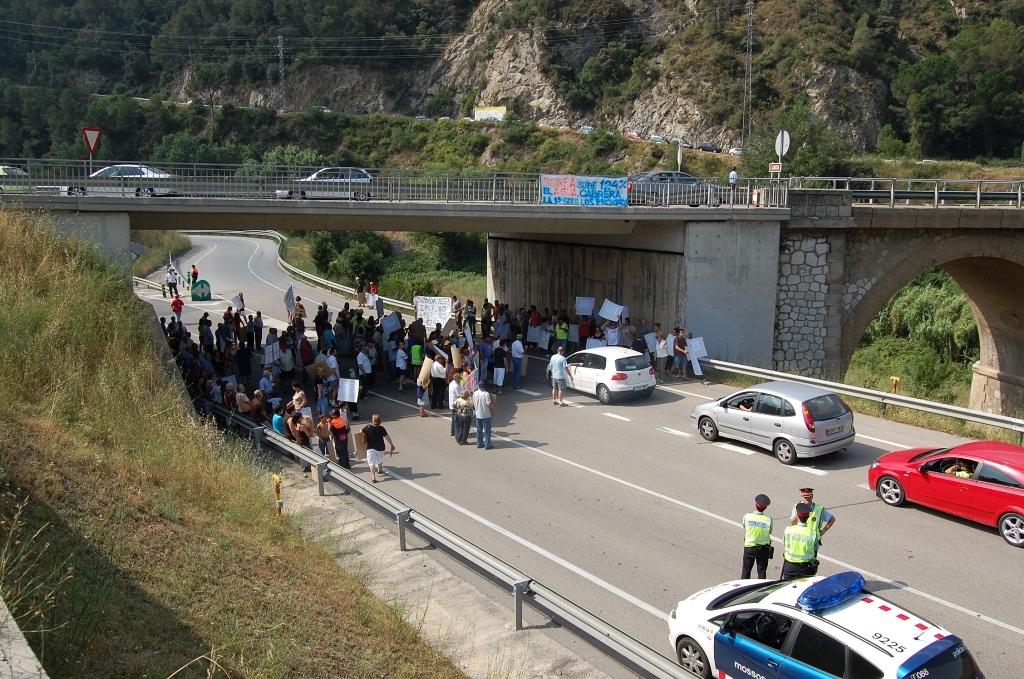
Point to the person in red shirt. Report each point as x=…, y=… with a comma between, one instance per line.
x=177, y=306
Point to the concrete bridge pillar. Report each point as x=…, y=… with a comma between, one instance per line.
x=109, y=231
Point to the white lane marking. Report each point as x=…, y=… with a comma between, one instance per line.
x=574, y=405
x=735, y=449
x=204, y=255
x=864, y=486
x=689, y=393
x=249, y=266
x=809, y=470
x=718, y=517
x=888, y=443
x=607, y=586
x=617, y=417
x=528, y=392
x=675, y=432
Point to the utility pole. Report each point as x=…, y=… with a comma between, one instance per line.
x=747, y=85
x=280, y=69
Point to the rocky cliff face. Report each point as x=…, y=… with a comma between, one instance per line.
x=510, y=70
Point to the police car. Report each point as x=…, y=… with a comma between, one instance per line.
x=811, y=628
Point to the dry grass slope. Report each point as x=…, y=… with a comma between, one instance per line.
x=167, y=531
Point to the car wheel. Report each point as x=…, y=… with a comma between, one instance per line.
x=603, y=394
x=1011, y=527
x=692, y=659
x=362, y=195
x=891, y=491
x=707, y=428
x=76, y=191
x=784, y=452
x=144, y=193
x=296, y=195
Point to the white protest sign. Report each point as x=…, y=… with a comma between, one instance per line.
x=624, y=312
x=574, y=333
x=307, y=412
x=289, y=301
x=433, y=310
x=696, y=366
x=348, y=391
x=652, y=342
x=390, y=324
x=533, y=334
x=236, y=302
x=469, y=336
x=585, y=306
x=591, y=343
x=502, y=330
x=611, y=335
x=696, y=347
x=545, y=340
x=610, y=310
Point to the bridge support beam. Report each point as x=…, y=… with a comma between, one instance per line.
x=993, y=391
x=715, y=278
x=109, y=231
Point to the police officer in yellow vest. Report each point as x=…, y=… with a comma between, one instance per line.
x=820, y=519
x=801, y=547
x=757, y=539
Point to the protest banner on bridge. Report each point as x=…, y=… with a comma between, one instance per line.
x=567, y=189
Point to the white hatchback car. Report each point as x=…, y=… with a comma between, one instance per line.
x=790, y=419
x=811, y=628
x=610, y=373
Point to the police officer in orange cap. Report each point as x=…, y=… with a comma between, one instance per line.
x=801, y=543
x=757, y=539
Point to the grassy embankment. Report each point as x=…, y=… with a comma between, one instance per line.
x=159, y=244
x=150, y=542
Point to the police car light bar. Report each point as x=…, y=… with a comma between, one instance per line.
x=831, y=591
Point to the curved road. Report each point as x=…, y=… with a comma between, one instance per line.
x=625, y=510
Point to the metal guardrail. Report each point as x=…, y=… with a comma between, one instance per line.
x=933, y=192
x=885, y=398
x=254, y=181
x=297, y=272
x=526, y=590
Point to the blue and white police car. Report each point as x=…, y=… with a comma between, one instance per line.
x=811, y=628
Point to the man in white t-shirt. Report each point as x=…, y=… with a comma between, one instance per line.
x=401, y=365
x=518, y=350
x=171, y=279
x=363, y=363
x=484, y=407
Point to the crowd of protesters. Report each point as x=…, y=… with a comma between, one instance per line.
x=274, y=380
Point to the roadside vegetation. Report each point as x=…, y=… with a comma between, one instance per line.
x=159, y=244
x=138, y=541
x=432, y=264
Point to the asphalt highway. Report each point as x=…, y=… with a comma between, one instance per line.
x=625, y=509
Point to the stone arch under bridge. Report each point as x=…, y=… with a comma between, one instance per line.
x=832, y=283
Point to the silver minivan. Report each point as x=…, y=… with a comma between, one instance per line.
x=790, y=419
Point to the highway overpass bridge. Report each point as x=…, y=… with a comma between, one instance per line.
x=791, y=285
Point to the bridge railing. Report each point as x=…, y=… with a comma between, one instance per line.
x=921, y=192
x=602, y=635
x=251, y=181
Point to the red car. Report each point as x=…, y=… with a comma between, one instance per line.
x=981, y=481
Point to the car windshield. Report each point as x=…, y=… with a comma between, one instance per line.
x=930, y=453
x=826, y=407
x=638, y=362
x=747, y=595
x=953, y=663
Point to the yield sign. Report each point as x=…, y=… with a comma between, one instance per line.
x=92, y=138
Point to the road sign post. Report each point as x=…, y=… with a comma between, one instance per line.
x=781, y=148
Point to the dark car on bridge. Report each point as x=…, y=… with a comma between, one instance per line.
x=664, y=187
x=981, y=481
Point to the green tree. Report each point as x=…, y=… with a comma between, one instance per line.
x=321, y=251
x=359, y=260
x=815, y=150
x=865, y=54
x=889, y=144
